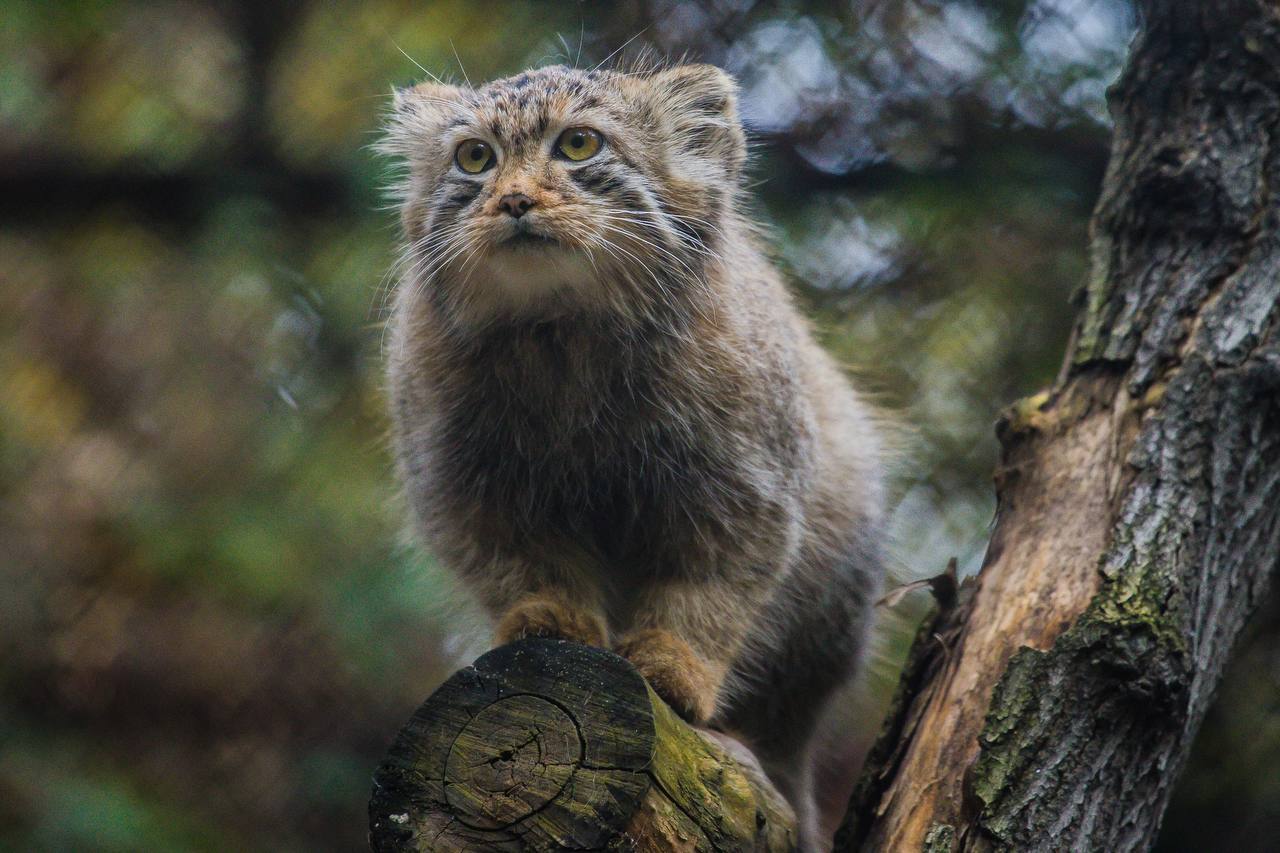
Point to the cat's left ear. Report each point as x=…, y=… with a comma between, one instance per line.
x=702, y=103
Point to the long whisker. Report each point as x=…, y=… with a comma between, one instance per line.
x=662, y=285
x=443, y=253
x=651, y=220
x=666, y=255
x=439, y=258
x=430, y=247
x=415, y=62
x=710, y=226
x=695, y=279
x=460, y=65
x=664, y=251
x=620, y=49
x=696, y=247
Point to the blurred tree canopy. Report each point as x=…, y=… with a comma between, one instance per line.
x=211, y=624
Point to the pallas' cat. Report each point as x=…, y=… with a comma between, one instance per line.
x=611, y=422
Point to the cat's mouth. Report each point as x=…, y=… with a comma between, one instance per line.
x=532, y=240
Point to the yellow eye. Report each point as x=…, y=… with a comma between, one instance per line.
x=579, y=143
x=474, y=156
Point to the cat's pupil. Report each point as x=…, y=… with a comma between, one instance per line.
x=476, y=152
x=578, y=140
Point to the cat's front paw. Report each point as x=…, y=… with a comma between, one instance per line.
x=552, y=617
x=674, y=672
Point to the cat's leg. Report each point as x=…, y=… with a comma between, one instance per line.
x=685, y=634
x=528, y=597
x=555, y=613
x=785, y=680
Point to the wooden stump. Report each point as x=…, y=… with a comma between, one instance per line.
x=548, y=745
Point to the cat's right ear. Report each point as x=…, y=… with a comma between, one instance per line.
x=418, y=115
x=411, y=137
x=426, y=102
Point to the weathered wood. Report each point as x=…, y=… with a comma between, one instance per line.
x=547, y=745
x=1139, y=499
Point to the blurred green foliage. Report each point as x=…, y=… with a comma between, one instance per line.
x=211, y=624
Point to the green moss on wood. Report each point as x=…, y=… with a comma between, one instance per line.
x=733, y=810
x=941, y=838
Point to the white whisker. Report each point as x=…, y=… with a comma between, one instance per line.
x=620, y=49
x=460, y=65
x=415, y=62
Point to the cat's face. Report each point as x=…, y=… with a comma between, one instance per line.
x=561, y=190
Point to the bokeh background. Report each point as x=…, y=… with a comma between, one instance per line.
x=210, y=623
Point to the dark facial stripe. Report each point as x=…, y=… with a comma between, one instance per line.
x=596, y=179
x=691, y=232
x=460, y=194
x=617, y=187
x=630, y=199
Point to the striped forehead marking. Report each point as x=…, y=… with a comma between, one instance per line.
x=522, y=104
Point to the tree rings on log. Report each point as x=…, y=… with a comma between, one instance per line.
x=503, y=768
x=541, y=745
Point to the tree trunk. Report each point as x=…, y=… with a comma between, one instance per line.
x=1139, y=500
x=546, y=745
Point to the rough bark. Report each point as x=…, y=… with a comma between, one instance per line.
x=1139, y=499
x=545, y=745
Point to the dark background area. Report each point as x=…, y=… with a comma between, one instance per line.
x=211, y=624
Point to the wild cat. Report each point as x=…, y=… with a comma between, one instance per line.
x=611, y=421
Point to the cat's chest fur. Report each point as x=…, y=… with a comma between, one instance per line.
x=587, y=433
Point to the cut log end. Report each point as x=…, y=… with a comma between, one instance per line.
x=547, y=745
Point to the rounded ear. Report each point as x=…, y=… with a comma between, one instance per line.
x=418, y=113
x=413, y=130
x=701, y=101
x=426, y=96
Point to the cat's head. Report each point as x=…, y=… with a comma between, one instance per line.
x=562, y=190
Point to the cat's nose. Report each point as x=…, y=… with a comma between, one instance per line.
x=516, y=204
